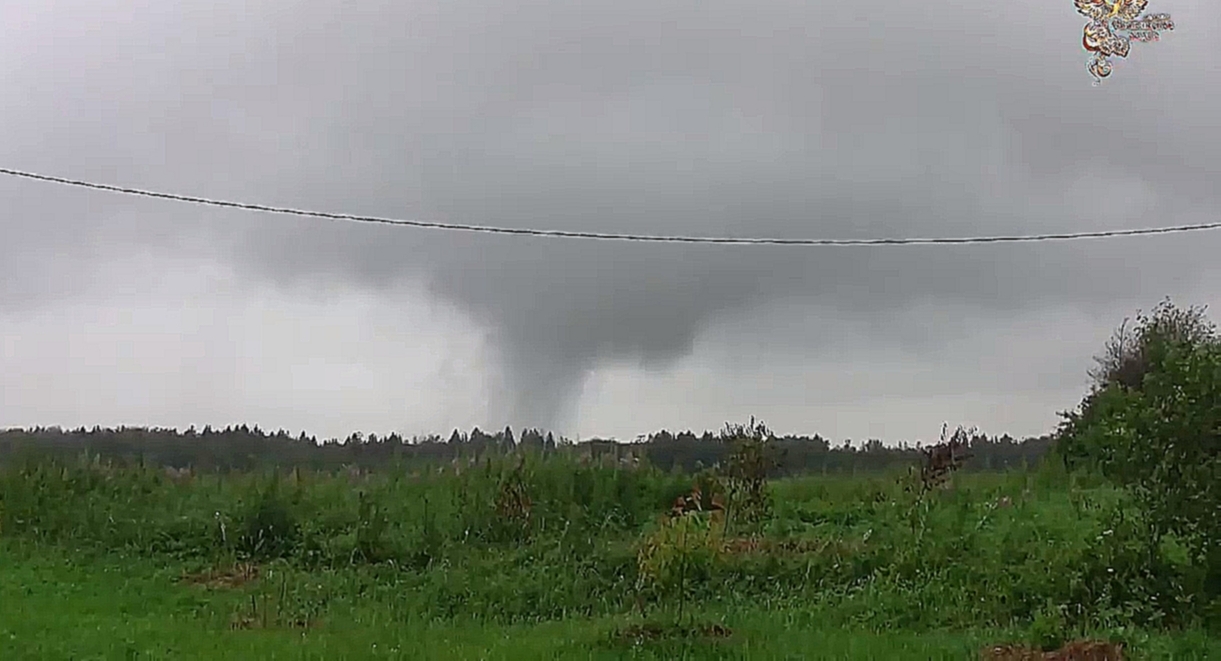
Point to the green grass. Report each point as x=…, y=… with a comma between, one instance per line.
x=426, y=566
x=61, y=605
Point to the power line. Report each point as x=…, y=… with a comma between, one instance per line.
x=565, y=234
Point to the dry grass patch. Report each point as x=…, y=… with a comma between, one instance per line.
x=240, y=574
x=1078, y=650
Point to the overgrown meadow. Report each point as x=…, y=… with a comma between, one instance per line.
x=653, y=563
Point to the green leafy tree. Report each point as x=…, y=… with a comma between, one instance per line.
x=1152, y=424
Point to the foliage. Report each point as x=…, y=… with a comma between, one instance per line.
x=370, y=529
x=683, y=549
x=1161, y=438
x=513, y=505
x=245, y=449
x=746, y=471
x=1125, y=578
x=944, y=458
x=1131, y=352
x=996, y=551
x=269, y=529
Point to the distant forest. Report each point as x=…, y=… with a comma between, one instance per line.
x=244, y=448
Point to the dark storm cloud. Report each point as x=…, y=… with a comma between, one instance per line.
x=788, y=119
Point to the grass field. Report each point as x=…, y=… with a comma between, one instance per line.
x=563, y=560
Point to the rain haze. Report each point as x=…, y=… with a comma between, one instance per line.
x=784, y=119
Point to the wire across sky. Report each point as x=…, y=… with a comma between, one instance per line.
x=606, y=236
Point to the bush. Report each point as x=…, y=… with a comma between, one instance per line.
x=1159, y=435
x=1122, y=577
x=681, y=551
x=1130, y=354
x=269, y=530
x=748, y=466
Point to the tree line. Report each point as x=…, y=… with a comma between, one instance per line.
x=241, y=447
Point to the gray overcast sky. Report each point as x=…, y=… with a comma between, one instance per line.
x=789, y=119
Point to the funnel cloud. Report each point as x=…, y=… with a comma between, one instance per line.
x=710, y=118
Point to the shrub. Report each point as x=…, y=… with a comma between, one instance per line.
x=747, y=470
x=1130, y=353
x=681, y=551
x=1159, y=436
x=269, y=529
x=370, y=529
x=1122, y=577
